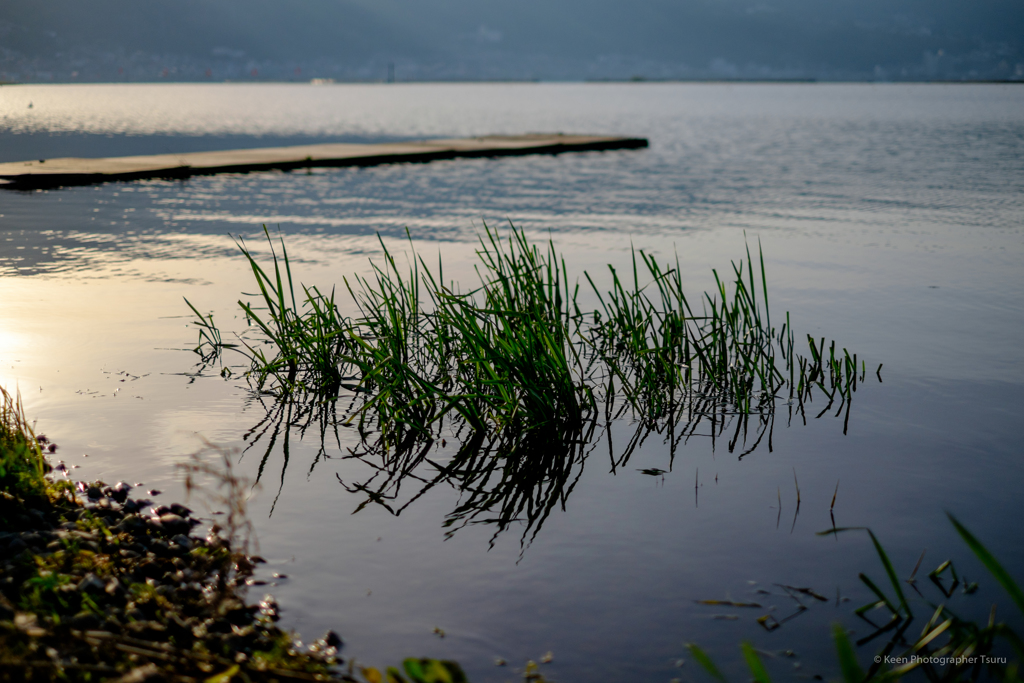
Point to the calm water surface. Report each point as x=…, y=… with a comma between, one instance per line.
x=890, y=218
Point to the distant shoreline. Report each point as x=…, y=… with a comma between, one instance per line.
x=591, y=81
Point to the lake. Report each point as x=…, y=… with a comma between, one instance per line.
x=891, y=219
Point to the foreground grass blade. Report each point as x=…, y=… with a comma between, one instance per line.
x=891, y=572
x=990, y=562
x=852, y=673
x=705, y=661
x=757, y=669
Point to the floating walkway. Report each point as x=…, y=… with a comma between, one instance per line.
x=48, y=173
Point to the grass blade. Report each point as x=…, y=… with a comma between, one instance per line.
x=852, y=673
x=757, y=669
x=891, y=572
x=990, y=562
x=701, y=657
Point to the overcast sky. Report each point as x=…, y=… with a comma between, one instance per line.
x=110, y=40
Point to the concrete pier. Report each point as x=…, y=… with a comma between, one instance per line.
x=49, y=173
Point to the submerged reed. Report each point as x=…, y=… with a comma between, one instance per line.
x=516, y=355
x=511, y=340
x=663, y=353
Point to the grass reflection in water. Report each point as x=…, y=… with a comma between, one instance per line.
x=524, y=382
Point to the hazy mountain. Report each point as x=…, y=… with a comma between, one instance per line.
x=108, y=40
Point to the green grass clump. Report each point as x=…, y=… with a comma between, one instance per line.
x=22, y=466
x=663, y=355
x=499, y=357
x=516, y=366
x=661, y=351
x=516, y=353
x=308, y=343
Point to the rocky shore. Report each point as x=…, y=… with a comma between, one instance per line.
x=98, y=585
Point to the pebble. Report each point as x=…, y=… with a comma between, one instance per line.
x=269, y=608
x=85, y=621
x=180, y=510
x=120, y=491
x=174, y=524
x=91, y=584
x=183, y=541
x=159, y=547
x=31, y=538
x=143, y=674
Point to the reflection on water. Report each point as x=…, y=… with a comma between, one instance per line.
x=505, y=482
x=499, y=480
